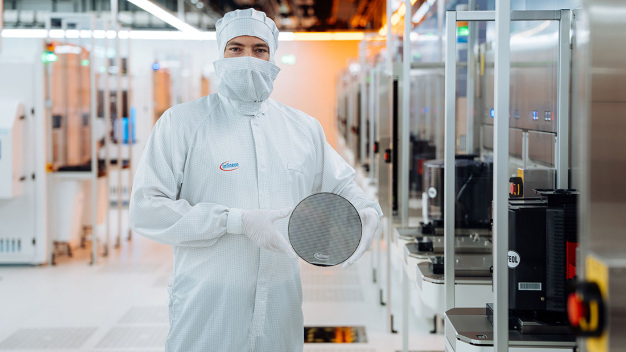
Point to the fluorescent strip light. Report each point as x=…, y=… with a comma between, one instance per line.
x=286, y=36
x=401, y=10
x=100, y=34
x=422, y=11
x=164, y=15
x=23, y=33
x=173, y=35
x=395, y=19
x=395, y=5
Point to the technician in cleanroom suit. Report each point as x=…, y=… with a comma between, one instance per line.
x=217, y=180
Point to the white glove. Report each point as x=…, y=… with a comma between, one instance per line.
x=258, y=225
x=369, y=220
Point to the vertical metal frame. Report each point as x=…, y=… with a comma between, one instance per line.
x=441, y=10
x=131, y=142
x=119, y=105
x=66, y=117
x=1, y=22
x=390, y=43
x=107, y=138
x=525, y=149
x=363, y=100
x=502, y=75
x=94, y=152
x=403, y=189
x=403, y=121
x=471, y=78
x=48, y=99
x=350, y=112
x=389, y=77
x=562, y=151
x=49, y=157
x=449, y=149
x=371, y=117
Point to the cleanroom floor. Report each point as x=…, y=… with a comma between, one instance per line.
x=120, y=304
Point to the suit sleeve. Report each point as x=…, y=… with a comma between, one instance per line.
x=334, y=175
x=156, y=211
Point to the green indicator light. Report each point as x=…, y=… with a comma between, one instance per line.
x=48, y=57
x=462, y=31
x=85, y=62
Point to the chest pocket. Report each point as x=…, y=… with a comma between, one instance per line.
x=299, y=179
x=296, y=167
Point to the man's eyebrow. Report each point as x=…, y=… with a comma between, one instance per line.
x=234, y=43
x=261, y=44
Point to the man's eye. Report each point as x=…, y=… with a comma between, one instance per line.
x=261, y=51
x=235, y=49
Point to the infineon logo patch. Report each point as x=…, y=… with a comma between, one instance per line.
x=228, y=166
x=320, y=256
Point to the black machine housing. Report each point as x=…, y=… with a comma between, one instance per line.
x=543, y=237
x=474, y=192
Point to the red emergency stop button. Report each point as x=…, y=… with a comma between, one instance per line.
x=585, y=309
x=575, y=309
x=516, y=187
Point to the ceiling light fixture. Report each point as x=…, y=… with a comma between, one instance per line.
x=176, y=35
x=164, y=15
x=399, y=13
x=422, y=11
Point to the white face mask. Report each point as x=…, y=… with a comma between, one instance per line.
x=245, y=78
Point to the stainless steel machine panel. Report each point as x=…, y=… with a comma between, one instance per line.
x=541, y=148
x=487, y=137
x=534, y=58
x=383, y=138
x=599, y=120
x=537, y=179
x=515, y=143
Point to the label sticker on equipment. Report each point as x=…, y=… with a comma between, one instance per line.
x=529, y=286
x=432, y=192
x=513, y=259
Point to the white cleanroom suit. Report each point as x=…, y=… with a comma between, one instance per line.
x=206, y=163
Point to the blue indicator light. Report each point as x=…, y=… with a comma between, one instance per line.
x=534, y=115
x=492, y=113
x=156, y=66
